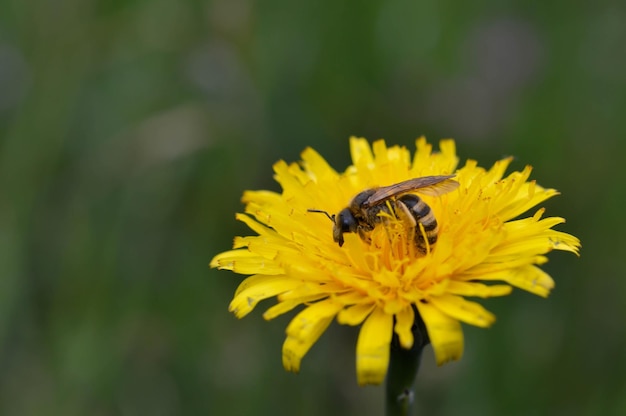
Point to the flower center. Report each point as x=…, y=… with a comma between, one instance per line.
x=395, y=240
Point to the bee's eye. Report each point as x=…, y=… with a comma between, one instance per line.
x=346, y=221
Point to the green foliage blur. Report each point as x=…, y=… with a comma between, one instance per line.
x=129, y=130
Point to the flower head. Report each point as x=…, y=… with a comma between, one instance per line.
x=380, y=278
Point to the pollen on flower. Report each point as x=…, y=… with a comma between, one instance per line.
x=474, y=241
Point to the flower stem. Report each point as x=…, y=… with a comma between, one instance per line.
x=403, y=367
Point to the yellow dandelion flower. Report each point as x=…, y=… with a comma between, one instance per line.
x=380, y=279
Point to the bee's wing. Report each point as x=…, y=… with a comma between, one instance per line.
x=427, y=185
x=439, y=188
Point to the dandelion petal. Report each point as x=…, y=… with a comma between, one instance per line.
x=444, y=331
x=372, y=348
x=304, y=330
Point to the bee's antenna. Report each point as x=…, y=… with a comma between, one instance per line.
x=330, y=217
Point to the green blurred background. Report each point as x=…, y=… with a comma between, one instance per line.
x=129, y=130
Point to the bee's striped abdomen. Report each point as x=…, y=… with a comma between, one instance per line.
x=423, y=215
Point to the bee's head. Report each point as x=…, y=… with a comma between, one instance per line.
x=344, y=223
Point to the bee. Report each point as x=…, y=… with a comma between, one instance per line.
x=363, y=212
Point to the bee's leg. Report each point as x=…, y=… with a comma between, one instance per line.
x=404, y=214
x=426, y=224
x=364, y=233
